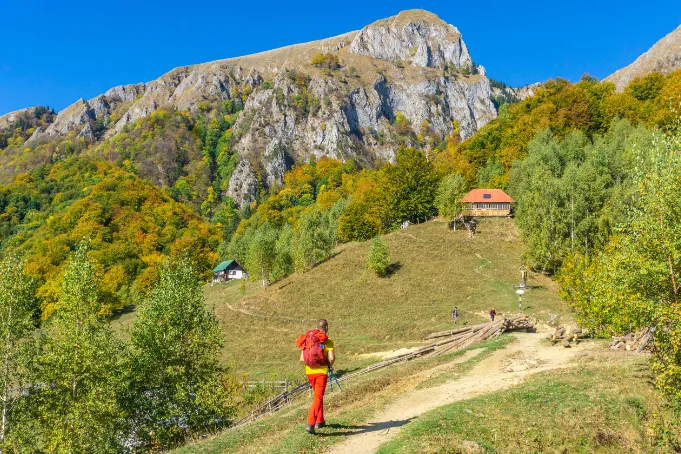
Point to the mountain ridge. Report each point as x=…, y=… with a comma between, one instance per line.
x=342, y=105
x=664, y=57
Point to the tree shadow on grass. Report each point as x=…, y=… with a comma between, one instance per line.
x=334, y=255
x=366, y=428
x=392, y=269
x=124, y=310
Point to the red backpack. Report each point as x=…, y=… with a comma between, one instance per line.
x=312, y=345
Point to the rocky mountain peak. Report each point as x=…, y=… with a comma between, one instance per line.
x=664, y=57
x=338, y=97
x=415, y=36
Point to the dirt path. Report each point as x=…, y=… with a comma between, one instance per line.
x=505, y=368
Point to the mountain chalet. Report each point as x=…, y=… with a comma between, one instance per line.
x=487, y=202
x=228, y=270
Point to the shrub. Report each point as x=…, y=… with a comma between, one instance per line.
x=328, y=61
x=379, y=258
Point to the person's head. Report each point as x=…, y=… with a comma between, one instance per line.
x=323, y=325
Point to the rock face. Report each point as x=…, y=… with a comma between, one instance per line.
x=417, y=37
x=413, y=64
x=663, y=57
x=11, y=117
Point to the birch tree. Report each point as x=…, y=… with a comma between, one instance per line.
x=77, y=372
x=17, y=305
x=177, y=385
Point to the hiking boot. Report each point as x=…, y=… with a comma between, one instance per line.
x=319, y=425
x=310, y=429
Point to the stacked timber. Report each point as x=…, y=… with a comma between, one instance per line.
x=460, y=338
x=637, y=341
x=565, y=337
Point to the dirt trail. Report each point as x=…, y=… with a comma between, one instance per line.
x=504, y=368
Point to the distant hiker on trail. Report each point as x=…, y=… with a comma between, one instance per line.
x=318, y=355
x=455, y=314
x=492, y=313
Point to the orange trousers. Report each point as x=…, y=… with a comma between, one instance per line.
x=316, y=413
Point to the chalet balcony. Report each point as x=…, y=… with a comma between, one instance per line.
x=486, y=209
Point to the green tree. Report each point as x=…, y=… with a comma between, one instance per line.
x=78, y=371
x=17, y=306
x=635, y=281
x=178, y=387
x=572, y=192
x=379, y=260
x=490, y=176
x=412, y=184
x=283, y=263
x=261, y=253
x=314, y=239
x=366, y=214
x=449, y=193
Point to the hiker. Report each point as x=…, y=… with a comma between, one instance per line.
x=318, y=355
x=492, y=313
x=455, y=314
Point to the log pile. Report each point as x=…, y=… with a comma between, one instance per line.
x=633, y=341
x=465, y=337
x=565, y=337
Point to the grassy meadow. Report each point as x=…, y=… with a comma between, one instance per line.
x=436, y=270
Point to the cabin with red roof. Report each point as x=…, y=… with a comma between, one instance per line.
x=487, y=202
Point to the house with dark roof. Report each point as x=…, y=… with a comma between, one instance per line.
x=228, y=270
x=487, y=202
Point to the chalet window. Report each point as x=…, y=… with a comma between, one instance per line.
x=232, y=272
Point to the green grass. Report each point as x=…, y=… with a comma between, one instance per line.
x=438, y=270
x=605, y=405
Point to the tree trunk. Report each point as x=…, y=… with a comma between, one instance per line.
x=572, y=225
x=5, y=376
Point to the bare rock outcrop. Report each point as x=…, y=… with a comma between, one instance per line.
x=418, y=37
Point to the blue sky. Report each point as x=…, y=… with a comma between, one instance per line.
x=54, y=52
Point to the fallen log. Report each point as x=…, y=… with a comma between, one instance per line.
x=648, y=336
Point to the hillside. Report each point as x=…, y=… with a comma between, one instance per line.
x=436, y=270
x=588, y=106
x=664, y=57
x=131, y=228
x=514, y=394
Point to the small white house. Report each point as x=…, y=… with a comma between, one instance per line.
x=228, y=270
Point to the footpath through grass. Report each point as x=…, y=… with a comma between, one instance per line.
x=436, y=270
x=605, y=405
x=283, y=432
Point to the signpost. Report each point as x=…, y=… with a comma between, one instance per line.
x=522, y=287
x=520, y=292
